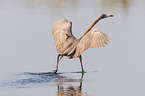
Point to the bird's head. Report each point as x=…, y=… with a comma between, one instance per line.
x=105, y=16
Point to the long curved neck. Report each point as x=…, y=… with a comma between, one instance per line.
x=97, y=20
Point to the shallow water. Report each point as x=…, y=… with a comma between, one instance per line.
x=62, y=82
x=27, y=46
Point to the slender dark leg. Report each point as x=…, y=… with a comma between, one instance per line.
x=80, y=58
x=58, y=60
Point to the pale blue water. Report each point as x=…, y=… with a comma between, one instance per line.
x=27, y=46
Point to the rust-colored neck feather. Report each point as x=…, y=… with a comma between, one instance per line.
x=98, y=19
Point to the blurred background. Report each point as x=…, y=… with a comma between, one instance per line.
x=26, y=42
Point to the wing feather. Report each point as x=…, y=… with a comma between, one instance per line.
x=94, y=38
x=62, y=35
x=105, y=40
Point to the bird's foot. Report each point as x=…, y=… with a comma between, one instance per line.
x=84, y=72
x=54, y=71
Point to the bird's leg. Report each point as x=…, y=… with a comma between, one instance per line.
x=80, y=58
x=58, y=60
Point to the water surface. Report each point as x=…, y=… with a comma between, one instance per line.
x=27, y=46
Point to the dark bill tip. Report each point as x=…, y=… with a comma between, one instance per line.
x=111, y=15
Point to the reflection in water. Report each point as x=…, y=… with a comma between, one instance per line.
x=125, y=5
x=114, y=4
x=61, y=5
x=65, y=88
x=73, y=4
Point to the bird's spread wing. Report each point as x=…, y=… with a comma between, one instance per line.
x=62, y=34
x=94, y=38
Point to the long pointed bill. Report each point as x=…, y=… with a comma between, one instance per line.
x=110, y=16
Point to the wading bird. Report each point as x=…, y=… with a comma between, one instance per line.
x=67, y=45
